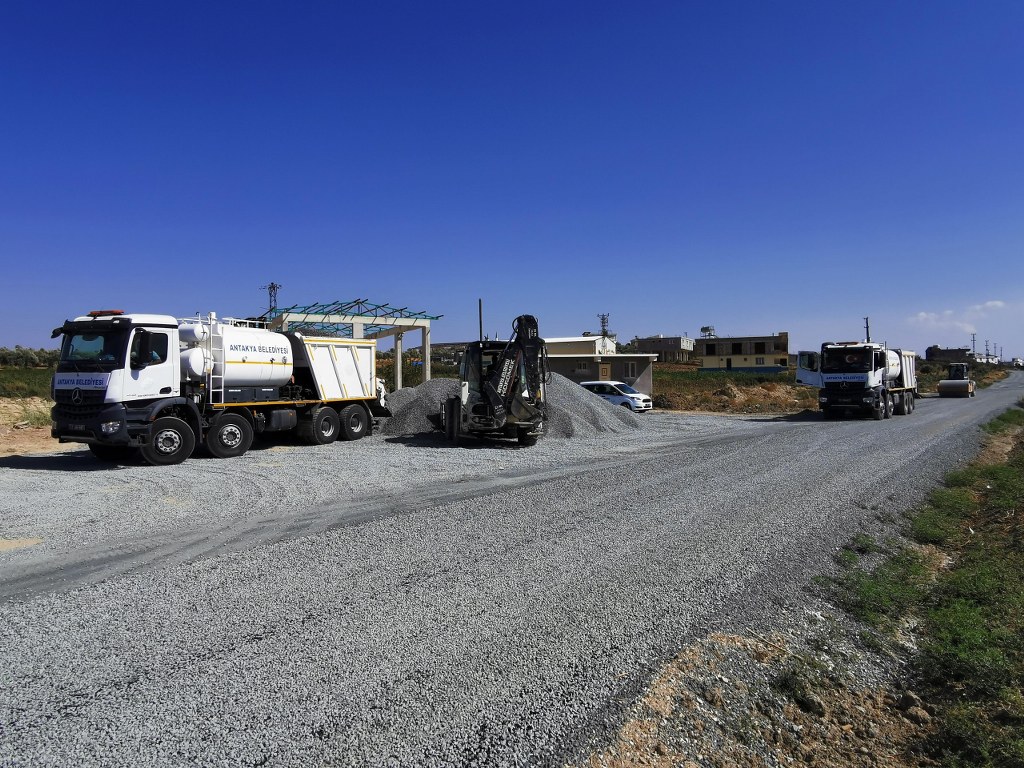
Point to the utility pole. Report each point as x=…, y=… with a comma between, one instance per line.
x=604, y=323
x=974, y=351
x=867, y=329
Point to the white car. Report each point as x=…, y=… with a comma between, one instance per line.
x=620, y=393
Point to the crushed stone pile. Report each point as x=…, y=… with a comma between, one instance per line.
x=414, y=410
x=572, y=410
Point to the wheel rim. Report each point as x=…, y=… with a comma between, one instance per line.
x=326, y=428
x=231, y=436
x=167, y=441
x=355, y=423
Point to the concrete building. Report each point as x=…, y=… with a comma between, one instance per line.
x=753, y=354
x=958, y=355
x=669, y=349
x=593, y=358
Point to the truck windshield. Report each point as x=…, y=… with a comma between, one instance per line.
x=93, y=350
x=846, y=360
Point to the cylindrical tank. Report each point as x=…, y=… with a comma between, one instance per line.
x=193, y=332
x=254, y=356
x=193, y=363
x=892, y=365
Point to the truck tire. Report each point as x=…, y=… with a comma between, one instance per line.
x=321, y=428
x=878, y=411
x=113, y=454
x=901, y=404
x=171, y=441
x=354, y=422
x=231, y=435
x=887, y=404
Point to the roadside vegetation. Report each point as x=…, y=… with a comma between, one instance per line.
x=958, y=586
x=17, y=382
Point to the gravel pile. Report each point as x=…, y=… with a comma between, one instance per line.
x=572, y=410
x=414, y=408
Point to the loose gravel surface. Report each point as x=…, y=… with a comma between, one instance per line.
x=398, y=601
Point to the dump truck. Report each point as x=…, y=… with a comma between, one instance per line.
x=501, y=388
x=957, y=383
x=860, y=377
x=160, y=386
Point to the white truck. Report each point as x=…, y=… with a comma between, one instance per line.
x=860, y=376
x=160, y=386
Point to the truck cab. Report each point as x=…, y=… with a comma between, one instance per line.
x=113, y=367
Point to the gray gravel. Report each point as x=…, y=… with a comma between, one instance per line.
x=396, y=601
x=572, y=410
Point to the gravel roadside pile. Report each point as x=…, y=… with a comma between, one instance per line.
x=572, y=410
x=413, y=407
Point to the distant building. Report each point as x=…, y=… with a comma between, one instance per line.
x=754, y=354
x=958, y=355
x=590, y=357
x=669, y=349
x=593, y=358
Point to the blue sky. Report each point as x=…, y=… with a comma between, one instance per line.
x=753, y=166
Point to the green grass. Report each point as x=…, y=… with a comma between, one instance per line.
x=1004, y=421
x=880, y=597
x=25, y=382
x=34, y=416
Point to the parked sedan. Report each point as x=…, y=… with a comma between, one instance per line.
x=621, y=394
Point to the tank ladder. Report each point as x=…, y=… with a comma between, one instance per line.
x=217, y=362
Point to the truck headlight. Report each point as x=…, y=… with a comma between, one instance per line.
x=110, y=427
x=869, y=400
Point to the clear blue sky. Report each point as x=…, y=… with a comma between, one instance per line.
x=754, y=166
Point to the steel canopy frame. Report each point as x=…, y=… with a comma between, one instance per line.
x=358, y=319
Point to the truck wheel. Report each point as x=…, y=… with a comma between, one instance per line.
x=901, y=404
x=170, y=442
x=321, y=428
x=879, y=410
x=354, y=422
x=888, y=405
x=231, y=435
x=115, y=454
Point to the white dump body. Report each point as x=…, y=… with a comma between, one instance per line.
x=342, y=368
x=907, y=377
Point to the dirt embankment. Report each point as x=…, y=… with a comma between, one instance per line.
x=25, y=427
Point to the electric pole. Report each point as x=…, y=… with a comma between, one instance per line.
x=272, y=289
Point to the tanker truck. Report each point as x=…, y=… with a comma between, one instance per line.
x=861, y=377
x=159, y=386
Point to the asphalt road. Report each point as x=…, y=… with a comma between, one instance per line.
x=401, y=602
